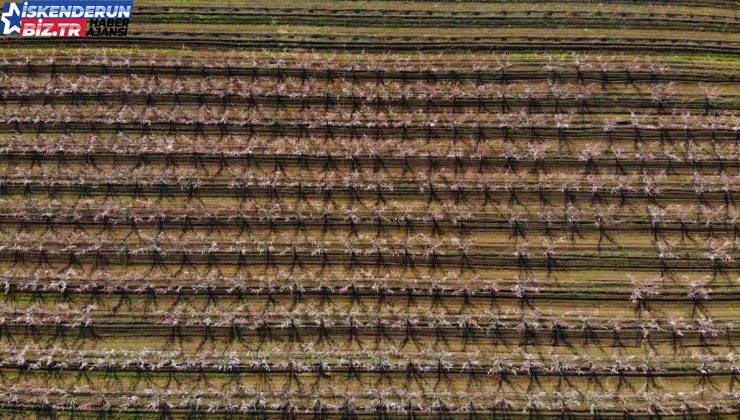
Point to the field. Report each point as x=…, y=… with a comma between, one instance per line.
x=374, y=209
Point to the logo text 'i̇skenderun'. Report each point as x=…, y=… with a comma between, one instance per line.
x=66, y=18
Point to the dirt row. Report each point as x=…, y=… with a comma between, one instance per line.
x=358, y=43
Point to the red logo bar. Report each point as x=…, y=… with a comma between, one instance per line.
x=53, y=27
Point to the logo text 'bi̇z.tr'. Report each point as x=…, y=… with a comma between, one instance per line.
x=66, y=18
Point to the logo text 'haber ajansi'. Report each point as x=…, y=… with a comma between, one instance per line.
x=15, y=14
